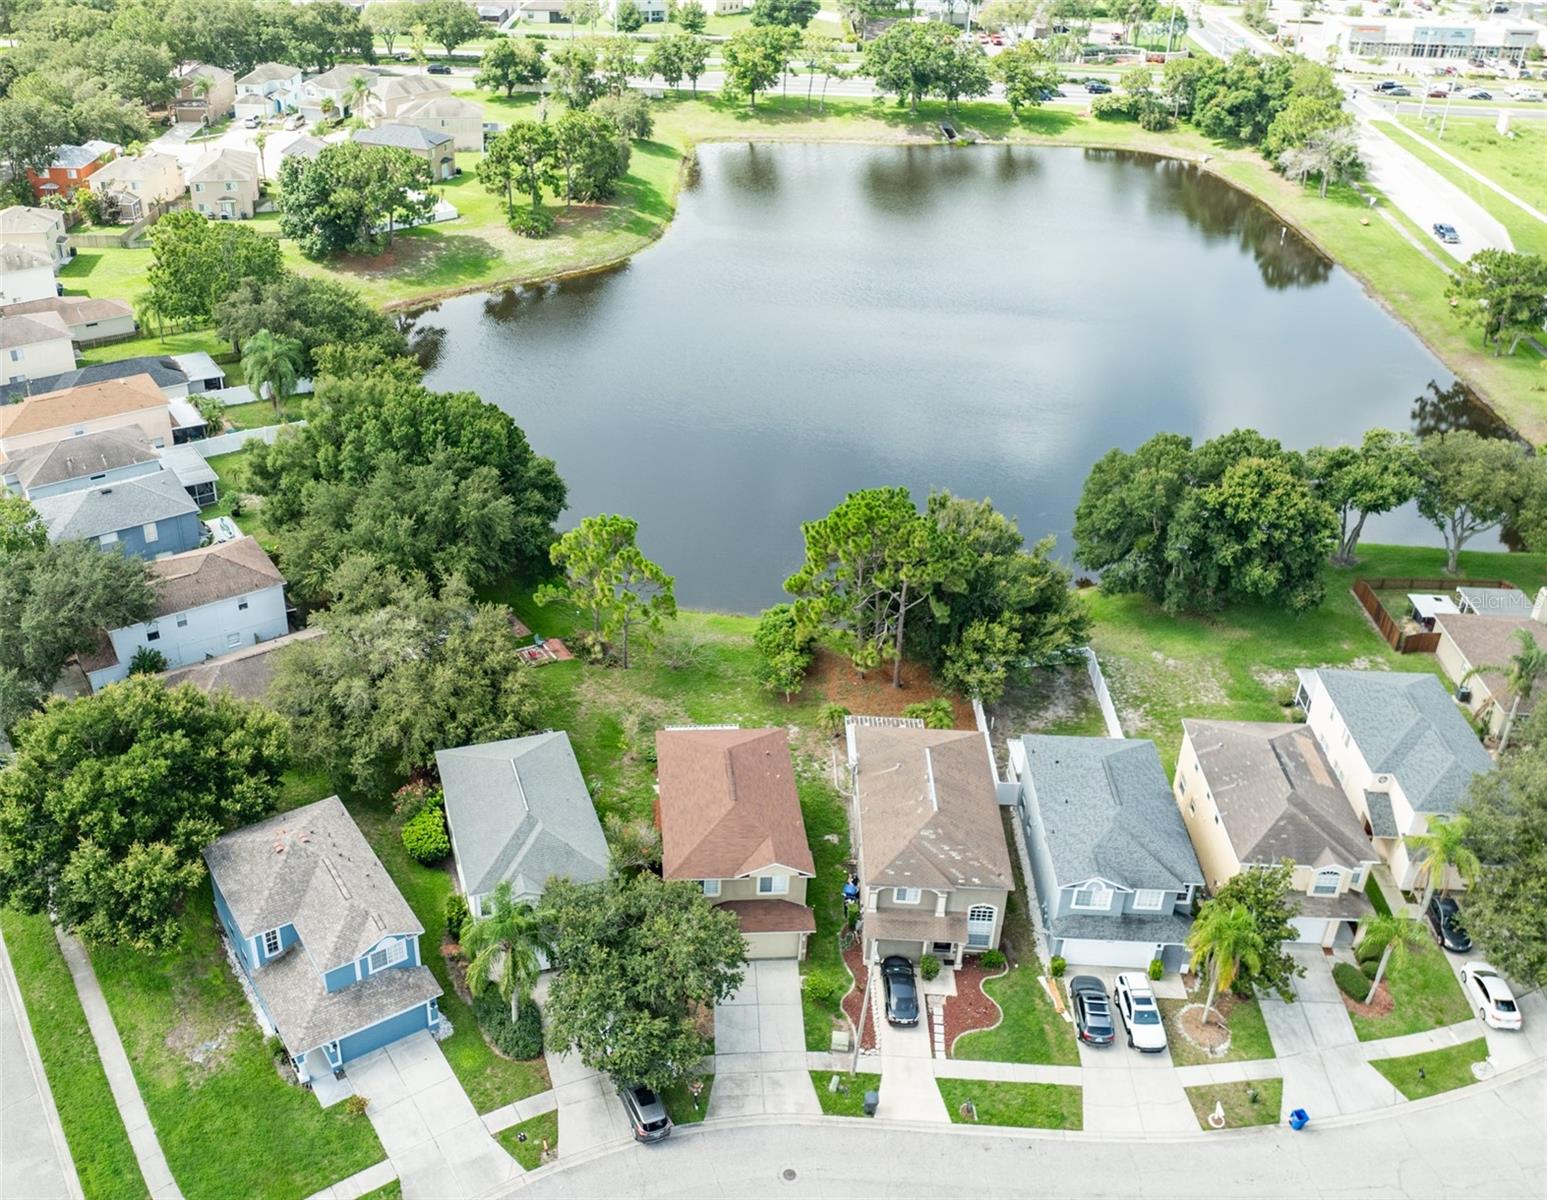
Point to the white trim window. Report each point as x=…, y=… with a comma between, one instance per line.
x=1150, y=900
x=711, y=887
x=980, y=926
x=387, y=956
x=772, y=885
x=270, y=943
x=1327, y=882
x=907, y=895
x=1095, y=897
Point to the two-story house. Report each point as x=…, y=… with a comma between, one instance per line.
x=462, y=119
x=1255, y=794
x=32, y=347
x=224, y=184
x=328, y=945
x=519, y=813
x=162, y=371
x=204, y=94
x=1114, y=870
x=390, y=94
x=1476, y=642
x=71, y=167
x=334, y=93
x=1400, y=748
x=432, y=146
x=38, y=229
x=148, y=517
x=25, y=274
x=267, y=90
x=208, y=602
x=133, y=188
x=933, y=865
x=134, y=403
x=73, y=463
x=730, y=821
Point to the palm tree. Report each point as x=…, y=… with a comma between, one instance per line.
x=1227, y=937
x=260, y=140
x=1401, y=935
x=1524, y=670
x=1443, y=848
x=268, y=359
x=354, y=95
x=508, y=942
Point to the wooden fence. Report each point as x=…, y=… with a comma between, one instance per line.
x=1397, y=638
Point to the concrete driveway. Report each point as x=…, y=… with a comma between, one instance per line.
x=908, y=1088
x=427, y=1125
x=760, y=1046
x=590, y=1113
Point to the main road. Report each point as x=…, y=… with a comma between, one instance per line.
x=1486, y=1141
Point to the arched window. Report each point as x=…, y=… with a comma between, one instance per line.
x=1328, y=880
x=980, y=926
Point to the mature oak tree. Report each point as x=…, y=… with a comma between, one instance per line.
x=1376, y=476
x=1472, y=483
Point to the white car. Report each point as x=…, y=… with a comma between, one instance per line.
x=1141, y=1015
x=1530, y=95
x=1485, y=988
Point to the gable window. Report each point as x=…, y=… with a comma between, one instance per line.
x=270, y=943
x=152, y=534
x=1149, y=900
x=772, y=885
x=388, y=956
x=711, y=887
x=907, y=895
x=1094, y=898
x=1328, y=880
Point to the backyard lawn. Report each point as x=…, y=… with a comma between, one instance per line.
x=1420, y=1075
x=1026, y=1105
x=152, y=345
x=104, y=1159
x=849, y=1099
x=524, y=1142
x=260, y=413
x=1425, y=995
x=1256, y=1102
x=1248, y=1031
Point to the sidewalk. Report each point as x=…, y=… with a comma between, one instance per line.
x=120, y=1076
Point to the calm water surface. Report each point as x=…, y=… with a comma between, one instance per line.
x=987, y=320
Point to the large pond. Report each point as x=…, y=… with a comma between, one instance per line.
x=986, y=320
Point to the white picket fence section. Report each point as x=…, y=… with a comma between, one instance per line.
x=229, y=443
x=1103, y=696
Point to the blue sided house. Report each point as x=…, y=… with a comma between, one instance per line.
x=326, y=940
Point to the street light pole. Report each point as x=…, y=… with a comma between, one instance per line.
x=1445, y=116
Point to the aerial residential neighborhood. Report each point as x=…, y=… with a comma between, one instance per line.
x=721, y=597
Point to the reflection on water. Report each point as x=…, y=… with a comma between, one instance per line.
x=1446, y=409
x=989, y=320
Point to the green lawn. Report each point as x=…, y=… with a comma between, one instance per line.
x=1239, y=665
x=146, y=345
x=104, y=1159
x=1420, y=1075
x=1425, y=995
x=1248, y=1033
x=392, y=1190
x=106, y=272
x=1254, y=1103
x=849, y=1100
x=1031, y=1032
x=825, y=977
x=525, y=1141
x=1026, y=1105
x=260, y=413
x=1517, y=163
x=679, y=1101
x=208, y=1081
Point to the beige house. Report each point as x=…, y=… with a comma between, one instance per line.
x=139, y=187
x=729, y=817
x=1253, y=794
x=1470, y=642
x=933, y=864
x=434, y=147
x=332, y=94
x=224, y=184
x=38, y=229
x=25, y=275
x=34, y=346
x=204, y=95
x=462, y=119
x=117, y=404
x=88, y=321
x=390, y=94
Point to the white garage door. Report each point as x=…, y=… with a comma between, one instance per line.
x=772, y=945
x=1097, y=953
x=1309, y=930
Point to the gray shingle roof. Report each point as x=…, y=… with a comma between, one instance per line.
x=83, y=155
x=1383, y=822
x=123, y=504
x=20, y=258
x=311, y=868
x=79, y=457
x=244, y=674
x=1158, y=929
x=1106, y=811
x=268, y=72
x=519, y=810
x=305, y=146
x=340, y=77
x=162, y=371
x=32, y=330
x=1406, y=725
x=404, y=137
x=307, y=1015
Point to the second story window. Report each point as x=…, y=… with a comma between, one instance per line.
x=271, y=943
x=388, y=956
x=1093, y=899
x=711, y=887
x=907, y=895
x=772, y=885
x=1149, y=900
x=1328, y=880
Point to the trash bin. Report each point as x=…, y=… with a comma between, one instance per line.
x=1298, y=1118
x=872, y=1098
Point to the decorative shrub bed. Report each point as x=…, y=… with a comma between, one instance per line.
x=521, y=1038
x=1351, y=981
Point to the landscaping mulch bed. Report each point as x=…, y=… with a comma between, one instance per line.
x=833, y=677
x=1378, y=1004
x=970, y=1008
x=1207, y=1035
x=854, y=1004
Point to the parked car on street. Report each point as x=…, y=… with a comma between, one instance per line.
x=1446, y=233
x=902, y=993
x=1525, y=95
x=1444, y=916
x=1141, y=1015
x=1092, y=1011
x=1385, y=85
x=1399, y=91
x=646, y=1114
x=1438, y=92
x=1487, y=992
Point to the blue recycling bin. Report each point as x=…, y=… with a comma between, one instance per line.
x=1299, y=1118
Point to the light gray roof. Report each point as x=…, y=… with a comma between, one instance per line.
x=519, y=811
x=312, y=868
x=83, y=155
x=20, y=218
x=307, y=1015
x=404, y=137
x=1495, y=602
x=22, y=258
x=306, y=146
x=1156, y=929
x=1276, y=794
x=442, y=107
x=225, y=164
x=197, y=364
x=339, y=78
x=123, y=504
x=80, y=457
x=270, y=71
x=1383, y=822
x=1105, y=811
x=1406, y=725
x=190, y=467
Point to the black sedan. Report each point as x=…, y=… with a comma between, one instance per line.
x=902, y=993
x=1096, y=87
x=1445, y=921
x=1092, y=1011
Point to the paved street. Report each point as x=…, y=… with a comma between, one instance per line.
x=34, y=1160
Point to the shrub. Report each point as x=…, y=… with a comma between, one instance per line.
x=937, y=713
x=1351, y=981
x=356, y=1105
x=1370, y=967
x=830, y=719
x=630, y=112
x=410, y=799
x=1056, y=965
x=147, y=660
x=424, y=836
x=521, y=1038
x=456, y=914
x=991, y=960
x=532, y=222
x=1157, y=968
x=826, y=987
x=275, y=1046
x=929, y=966
x=1370, y=949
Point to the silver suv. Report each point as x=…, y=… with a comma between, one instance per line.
x=646, y=1114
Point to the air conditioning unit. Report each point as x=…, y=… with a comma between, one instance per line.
x=1463, y=695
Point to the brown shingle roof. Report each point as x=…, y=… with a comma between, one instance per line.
x=219, y=572
x=1491, y=641
x=928, y=809
x=55, y=410
x=891, y=925
x=772, y=916
x=244, y=674
x=728, y=805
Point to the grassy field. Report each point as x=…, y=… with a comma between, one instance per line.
x=524, y=1142
x=1248, y=1032
x=1241, y=1109
x=849, y=1100
x=146, y=345
x=209, y=1082
x=1517, y=163
x=1425, y=995
x=1024, y=1105
x=261, y=413
x=104, y=1159
x=1420, y=1075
